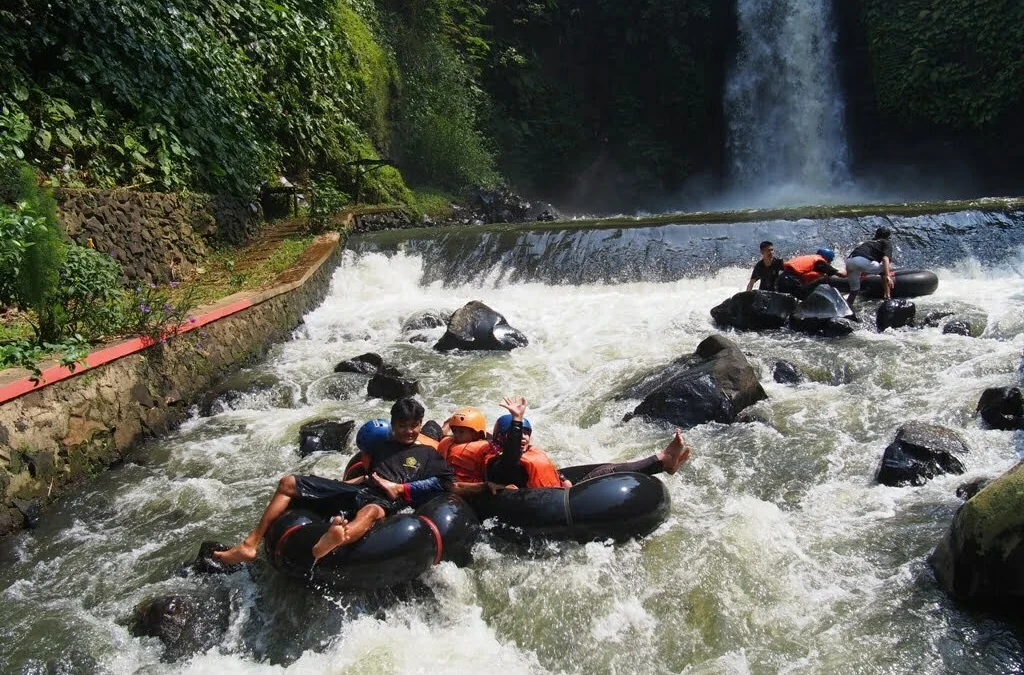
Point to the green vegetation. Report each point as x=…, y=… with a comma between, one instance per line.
x=955, y=64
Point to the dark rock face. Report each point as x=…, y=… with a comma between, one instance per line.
x=972, y=487
x=957, y=327
x=366, y=364
x=391, y=387
x=205, y=563
x=755, y=310
x=31, y=509
x=324, y=435
x=785, y=372
x=823, y=312
x=425, y=320
x=185, y=624
x=1002, y=407
x=712, y=385
x=476, y=326
x=920, y=452
x=895, y=313
x=980, y=561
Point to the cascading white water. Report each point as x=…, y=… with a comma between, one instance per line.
x=783, y=104
x=780, y=555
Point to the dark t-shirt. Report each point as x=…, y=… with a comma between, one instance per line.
x=875, y=250
x=407, y=463
x=767, y=274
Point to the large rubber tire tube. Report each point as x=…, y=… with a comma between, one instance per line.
x=910, y=283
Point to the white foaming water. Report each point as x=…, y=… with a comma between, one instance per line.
x=786, y=133
x=780, y=555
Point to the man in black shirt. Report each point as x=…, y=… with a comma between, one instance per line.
x=871, y=257
x=400, y=471
x=767, y=269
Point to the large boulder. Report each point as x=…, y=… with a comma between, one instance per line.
x=477, y=326
x=325, y=435
x=185, y=624
x=980, y=561
x=755, y=310
x=712, y=385
x=1002, y=407
x=391, y=387
x=920, y=452
x=823, y=312
x=895, y=313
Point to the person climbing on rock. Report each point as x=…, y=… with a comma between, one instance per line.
x=800, y=275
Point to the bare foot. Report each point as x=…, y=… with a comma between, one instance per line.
x=332, y=538
x=242, y=553
x=675, y=453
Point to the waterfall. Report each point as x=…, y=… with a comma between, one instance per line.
x=783, y=103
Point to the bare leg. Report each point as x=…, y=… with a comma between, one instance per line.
x=246, y=551
x=343, y=532
x=675, y=453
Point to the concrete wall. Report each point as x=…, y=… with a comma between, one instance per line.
x=55, y=437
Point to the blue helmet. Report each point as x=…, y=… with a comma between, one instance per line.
x=827, y=253
x=372, y=434
x=503, y=423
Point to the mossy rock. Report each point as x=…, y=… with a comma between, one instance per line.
x=980, y=561
x=97, y=453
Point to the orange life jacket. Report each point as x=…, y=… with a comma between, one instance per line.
x=467, y=460
x=540, y=470
x=803, y=267
x=426, y=440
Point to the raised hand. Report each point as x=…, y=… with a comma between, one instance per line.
x=515, y=405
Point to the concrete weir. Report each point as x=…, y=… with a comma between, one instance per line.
x=74, y=424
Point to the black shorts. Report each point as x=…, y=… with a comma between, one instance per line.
x=331, y=497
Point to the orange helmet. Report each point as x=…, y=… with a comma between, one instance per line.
x=471, y=418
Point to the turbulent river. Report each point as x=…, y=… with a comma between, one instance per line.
x=780, y=554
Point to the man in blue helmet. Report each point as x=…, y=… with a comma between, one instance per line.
x=400, y=472
x=800, y=275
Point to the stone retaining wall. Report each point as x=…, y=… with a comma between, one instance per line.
x=52, y=438
x=156, y=237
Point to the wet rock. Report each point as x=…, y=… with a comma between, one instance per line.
x=432, y=429
x=934, y=318
x=229, y=393
x=895, y=313
x=186, y=624
x=713, y=385
x=391, y=388
x=972, y=487
x=957, y=327
x=206, y=563
x=31, y=509
x=1002, y=408
x=425, y=320
x=366, y=364
x=475, y=326
x=920, y=452
x=755, y=310
x=324, y=435
x=980, y=560
x=336, y=387
x=785, y=372
x=823, y=312
x=74, y=662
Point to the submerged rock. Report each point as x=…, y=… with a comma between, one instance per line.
x=920, y=452
x=785, y=372
x=365, y=364
x=713, y=385
x=967, y=490
x=336, y=387
x=1002, y=407
x=232, y=392
x=425, y=320
x=186, y=624
x=391, y=387
x=206, y=563
x=325, y=435
x=755, y=310
x=823, y=312
x=478, y=327
x=895, y=313
x=957, y=327
x=980, y=561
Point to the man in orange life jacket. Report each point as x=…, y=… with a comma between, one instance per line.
x=523, y=465
x=801, y=274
